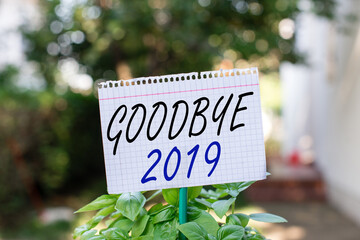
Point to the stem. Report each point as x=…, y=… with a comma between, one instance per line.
x=233, y=207
x=182, y=208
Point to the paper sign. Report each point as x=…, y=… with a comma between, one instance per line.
x=182, y=130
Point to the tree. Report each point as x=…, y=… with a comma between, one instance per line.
x=118, y=39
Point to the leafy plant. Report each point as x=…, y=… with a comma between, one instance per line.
x=125, y=217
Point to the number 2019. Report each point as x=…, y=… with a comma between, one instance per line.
x=175, y=151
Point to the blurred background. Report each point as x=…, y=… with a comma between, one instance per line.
x=52, y=54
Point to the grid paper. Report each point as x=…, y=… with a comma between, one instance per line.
x=242, y=154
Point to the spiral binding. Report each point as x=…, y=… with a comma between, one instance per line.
x=178, y=77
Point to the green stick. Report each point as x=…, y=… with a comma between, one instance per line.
x=182, y=208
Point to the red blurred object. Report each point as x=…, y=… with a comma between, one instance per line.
x=294, y=158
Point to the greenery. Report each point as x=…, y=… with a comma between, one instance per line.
x=126, y=218
x=34, y=229
x=119, y=39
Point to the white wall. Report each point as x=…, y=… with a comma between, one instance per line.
x=330, y=93
x=341, y=144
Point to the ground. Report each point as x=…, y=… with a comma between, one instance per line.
x=308, y=221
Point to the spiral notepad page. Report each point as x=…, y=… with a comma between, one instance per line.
x=182, y=130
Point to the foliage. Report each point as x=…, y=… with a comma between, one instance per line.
x=125, y=217
x=45, y=138
x=34, y=229
x=160, y=36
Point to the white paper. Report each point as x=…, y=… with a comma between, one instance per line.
x=241, y=156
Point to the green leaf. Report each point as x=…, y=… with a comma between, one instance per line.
x=88, y=234
x=206, y=221
x=80, y=230
x=220, y=186
x=222, y=206
x=100, y=216
x=122, y=223
x=211, y=237
x=193, y=212
x=114, y=233
x=198, y=205
x=145, y=237
x=230, y=232
x=233, y=220
x=130, y=204
x=100, y=202
x=139, y=226
x=106, y=211
x=267, y=217
x=142, y=212
x=233, y=189
x=116, y=214
x=157, y=208
x=204, y=202
x=164, y=215
x=94, y=221
x=166, y=230
x=194, y=192
x=149, y=229
x=213, y=194
x=193, y=231
x=244, y=219
x=244, y=185
x=251, y=231
x=256, y=237
x=238, y=219
x=171, y=196
x=97, y=237
x=212, y=200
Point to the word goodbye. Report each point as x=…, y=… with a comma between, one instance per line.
x=201, y=105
